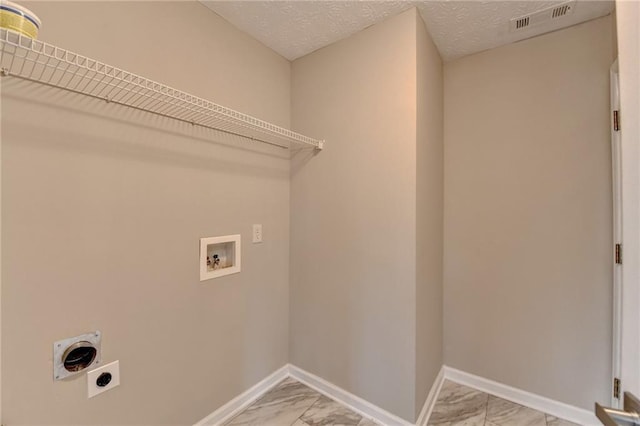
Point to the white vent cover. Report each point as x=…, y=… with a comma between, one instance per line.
x=545, y=15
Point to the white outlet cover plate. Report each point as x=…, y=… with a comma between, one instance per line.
x=92, y=376
x=257, y=233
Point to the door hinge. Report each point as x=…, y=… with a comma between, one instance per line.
x=616, y=120
x=616, y=388
x=619, y=254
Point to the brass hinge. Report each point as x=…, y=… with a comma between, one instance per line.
x=616, y=388
x=619, y=254
x=616, y=120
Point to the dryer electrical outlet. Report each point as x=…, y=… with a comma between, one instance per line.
x=103, y=379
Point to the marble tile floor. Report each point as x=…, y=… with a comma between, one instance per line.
x=463, y=406
x=291, y=403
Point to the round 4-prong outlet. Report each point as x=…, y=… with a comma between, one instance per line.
x=103, y=378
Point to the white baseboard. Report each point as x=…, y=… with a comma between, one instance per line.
x=537, y=402
x=355, y=403
x=427, y=408
x=351, y=401
x=242, y=401
x=383, y=417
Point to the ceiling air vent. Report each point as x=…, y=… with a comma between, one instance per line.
x=561, y=11
x=542, y=16
x=522, y=22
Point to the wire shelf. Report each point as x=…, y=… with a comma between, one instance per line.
x=44, y=63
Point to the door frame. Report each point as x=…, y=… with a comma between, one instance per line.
x=616, y=163
x=628, y=21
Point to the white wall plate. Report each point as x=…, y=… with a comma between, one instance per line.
x=103, y=379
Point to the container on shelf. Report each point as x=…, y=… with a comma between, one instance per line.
x=19, y=19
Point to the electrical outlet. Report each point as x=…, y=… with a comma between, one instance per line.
x=257, y=233
x=103, y=378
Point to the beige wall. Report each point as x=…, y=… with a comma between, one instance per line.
x=429, y=218
x=528, y=261
x=102, y=211
x=354, y=215
x=103, y=208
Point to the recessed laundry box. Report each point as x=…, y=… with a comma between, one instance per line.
x=74, y=355
x=219, y=256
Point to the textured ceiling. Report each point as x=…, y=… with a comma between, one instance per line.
x=460, y=28
x=297, y=27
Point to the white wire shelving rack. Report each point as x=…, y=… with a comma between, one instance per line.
x=43, y=63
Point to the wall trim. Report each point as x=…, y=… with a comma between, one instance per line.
x=242, y=401
x=355, y=403
x=427, y=408
x=379, y=415
x=519, y=396
x=351, y=401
